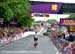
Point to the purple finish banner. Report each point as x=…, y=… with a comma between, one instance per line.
x=67, y=22
x=52, y=8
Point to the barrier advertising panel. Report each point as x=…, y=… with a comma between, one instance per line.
x=67, y=22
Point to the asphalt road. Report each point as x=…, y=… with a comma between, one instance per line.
x=25, y=46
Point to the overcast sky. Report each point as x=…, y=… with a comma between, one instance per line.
x=64, y=1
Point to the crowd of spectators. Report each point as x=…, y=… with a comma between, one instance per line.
x=10, y=33
x=64, y=41
x=9, y=30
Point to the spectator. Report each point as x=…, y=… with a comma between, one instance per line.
x=71, y=37
x=68, y=48
x=67, y=36
x=63, y=35
x=59, y=35
x=73, y=48
x=53, y=34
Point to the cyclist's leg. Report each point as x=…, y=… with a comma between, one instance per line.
x=35, y=43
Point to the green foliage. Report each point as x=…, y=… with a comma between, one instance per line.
x=19, y=9
x=71, y=16
x=5, y=11
x=26, y=21
x=52, y=21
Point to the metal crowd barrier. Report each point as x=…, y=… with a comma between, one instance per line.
x=7, y=40
x=63, y=46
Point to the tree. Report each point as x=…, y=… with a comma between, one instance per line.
x=52, y=21
x=71, y=16
x=10, y=8
x=19, y=9
x=26, y=21
x=5, y=11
